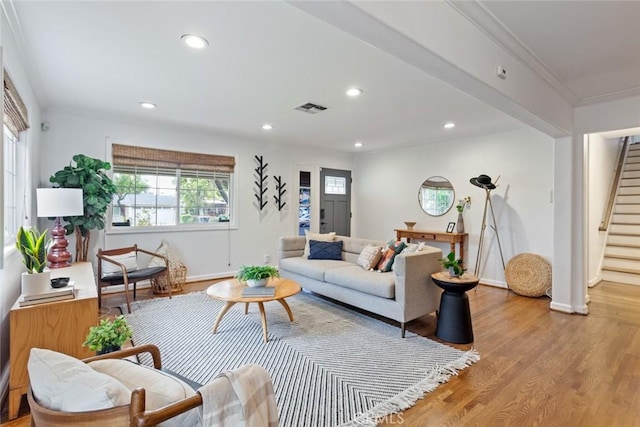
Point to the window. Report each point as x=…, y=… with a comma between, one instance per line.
x=15, y=123
x=197, y=189
x=335, y=185
x=10, y=199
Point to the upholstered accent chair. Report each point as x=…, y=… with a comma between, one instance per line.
x=120, y=267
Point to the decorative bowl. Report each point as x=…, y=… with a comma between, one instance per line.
x=59, y=282
x=409, y=224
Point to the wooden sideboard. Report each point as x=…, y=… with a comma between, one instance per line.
x=61, y=326
x=438, y=236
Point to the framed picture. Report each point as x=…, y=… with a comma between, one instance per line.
x=450, y=227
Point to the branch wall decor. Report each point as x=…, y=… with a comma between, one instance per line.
x=260, y=182
x=281, y=190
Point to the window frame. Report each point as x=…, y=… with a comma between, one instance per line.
x=178, y=227
x=9, y=240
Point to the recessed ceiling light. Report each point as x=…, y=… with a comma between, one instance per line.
x=148, y=105
x=358, y=144
x=449, y=125
x=194, y=41
x=354, y=91
x=267, y=126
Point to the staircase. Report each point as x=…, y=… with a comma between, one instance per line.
x=622, y=255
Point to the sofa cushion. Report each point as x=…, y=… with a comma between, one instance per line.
x=325, y=250
x=312, y=268
x=328, y=237
x=369, y=256
x=161, y=389
x=129, y=260
x=369, y=282
x=64, y=383
x=389, y=254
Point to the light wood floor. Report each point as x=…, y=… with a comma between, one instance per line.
x=538, y=367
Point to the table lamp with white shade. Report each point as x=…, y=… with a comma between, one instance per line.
x=58, y=203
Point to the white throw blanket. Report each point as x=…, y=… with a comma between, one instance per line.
x=243, y=397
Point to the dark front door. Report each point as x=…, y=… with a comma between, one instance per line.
x=335, y=201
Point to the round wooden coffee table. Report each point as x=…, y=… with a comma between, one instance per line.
x=230, y=291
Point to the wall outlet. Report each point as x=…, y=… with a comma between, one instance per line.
x=267, y=258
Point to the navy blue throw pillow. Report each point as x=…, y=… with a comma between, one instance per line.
x=325, y=250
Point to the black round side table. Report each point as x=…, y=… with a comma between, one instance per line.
x=454, y=318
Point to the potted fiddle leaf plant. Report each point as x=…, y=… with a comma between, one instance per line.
x=33, y=245
x=97, y=193
x=453, y=265
x=257, y=275
x=108, y=336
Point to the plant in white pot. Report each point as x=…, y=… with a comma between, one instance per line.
x=33, y=246
x=257, y=275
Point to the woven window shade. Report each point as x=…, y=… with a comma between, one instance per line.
x=127, y=155
x=15, y=112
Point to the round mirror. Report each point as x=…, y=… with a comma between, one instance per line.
x=436, y=196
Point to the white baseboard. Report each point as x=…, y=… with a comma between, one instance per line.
x=565, y=308
x=594, y=281
x=495, y=283
x=4, y=386
x=146, y=284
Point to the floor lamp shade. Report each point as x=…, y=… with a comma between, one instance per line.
x=58, y=203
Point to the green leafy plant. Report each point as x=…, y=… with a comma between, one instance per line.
x=97, y=193
x=450, y=262
x=108, y=334
x=256, y=272
x=33, y=247
x=462, y=203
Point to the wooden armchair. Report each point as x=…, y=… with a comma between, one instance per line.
x=133, y=414
x=120, y=267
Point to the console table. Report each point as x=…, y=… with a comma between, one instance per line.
x=60, y=326
x=437, y=236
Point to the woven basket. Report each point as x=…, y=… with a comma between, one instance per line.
x=528, y=275
x=176, y=280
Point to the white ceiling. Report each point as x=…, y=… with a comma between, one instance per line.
x=265, y=58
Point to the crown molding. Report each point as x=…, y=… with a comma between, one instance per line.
x=485, y=21
x=613, y=96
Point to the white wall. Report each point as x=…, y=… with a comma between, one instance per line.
x=602, y=159
x=386, y=191
x=12, y=268
x=206, y=253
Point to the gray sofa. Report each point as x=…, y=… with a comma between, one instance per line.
x=403, y=294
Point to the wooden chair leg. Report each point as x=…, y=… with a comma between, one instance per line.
x=134, y=290
x=126, y=294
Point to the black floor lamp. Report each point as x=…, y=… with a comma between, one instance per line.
x=484, y=181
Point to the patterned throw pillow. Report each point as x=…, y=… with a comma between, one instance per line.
x=389, y=254
x=369, y=257
x=328, y=237
x=325, y=250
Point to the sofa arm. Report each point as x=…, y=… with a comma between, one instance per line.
x=291, y=246
x=415, y=289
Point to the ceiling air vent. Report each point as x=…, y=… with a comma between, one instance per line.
x=310, y=108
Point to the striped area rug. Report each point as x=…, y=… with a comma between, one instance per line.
x=331, y=366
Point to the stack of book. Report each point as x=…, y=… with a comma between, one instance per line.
x=54, y=294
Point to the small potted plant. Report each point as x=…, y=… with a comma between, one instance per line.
x=108, y=336
x=453, y=265
x=257, y=275
x=33, y=247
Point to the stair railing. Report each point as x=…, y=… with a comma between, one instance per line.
x=606, y=217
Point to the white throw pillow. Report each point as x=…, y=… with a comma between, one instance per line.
x=328, y=237
x=129, y=260
x=369, y=257
x=161, y=389
x=165, y=250
x=64, y=383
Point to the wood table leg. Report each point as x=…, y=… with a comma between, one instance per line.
x=286, y=307
x=246, y=307
x=224, y=310
x=263, y=317
x=14, y=403
x=462, y=250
